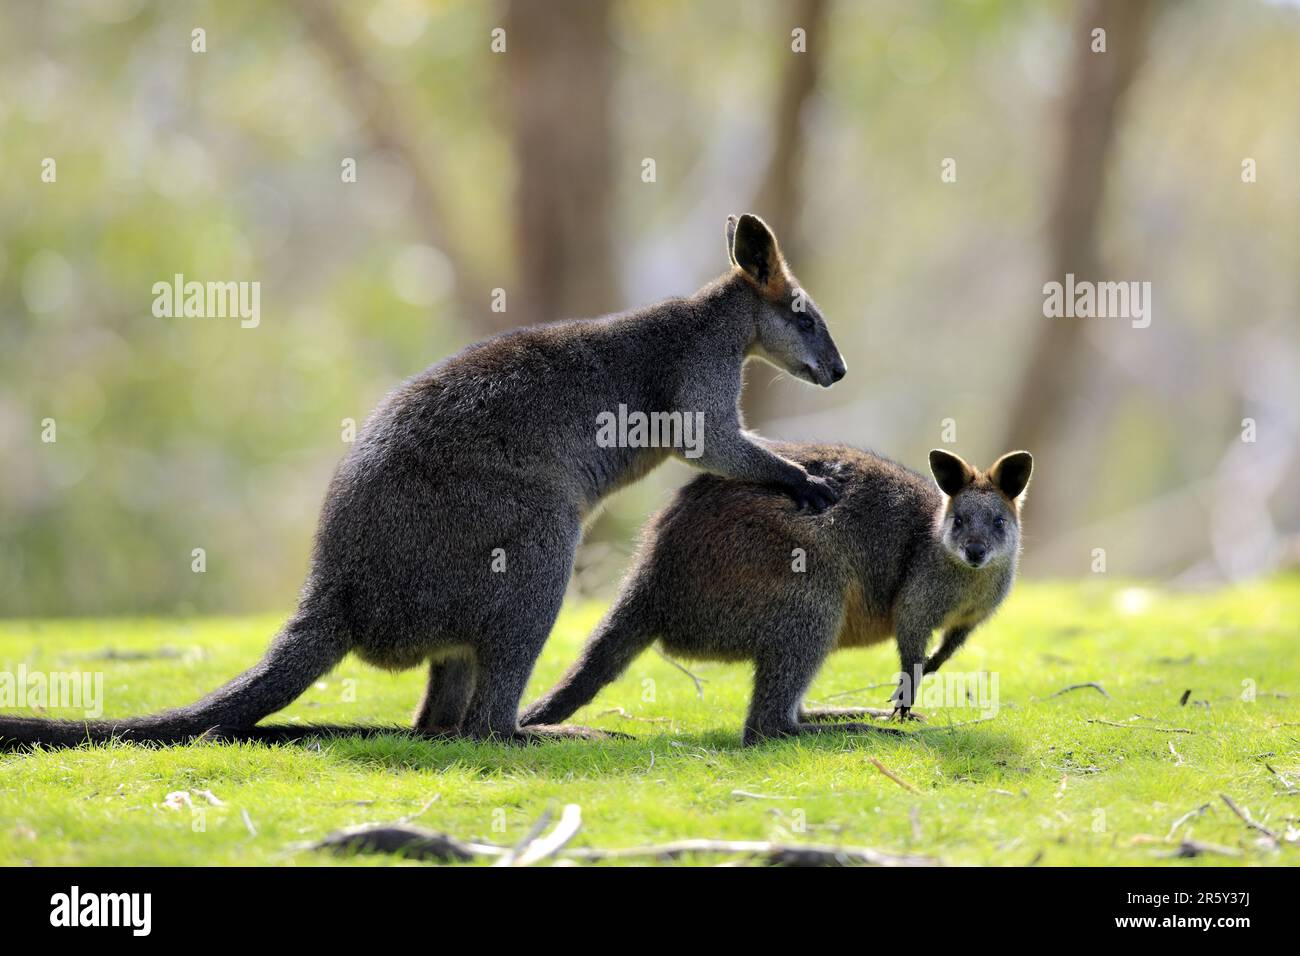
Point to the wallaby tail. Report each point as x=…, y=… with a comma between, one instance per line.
x=301, y=653
x=626, y=630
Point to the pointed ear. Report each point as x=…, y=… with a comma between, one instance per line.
x=1010, y=473
x=754, y=249
x=950, y=471
x=731, y=238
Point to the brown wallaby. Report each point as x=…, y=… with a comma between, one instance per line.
x=729, y=571
x=448, y=532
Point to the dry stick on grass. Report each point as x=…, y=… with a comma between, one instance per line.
x=777, y=854
x=1247, y=819
x=699, y=681
x=1194, y=848
x=858, y=690
x=1182, y=701
x=421, y=844
x=1159, y=730
x=893, y=776
x=545, y=847
x=535, y=831
x=1178, y=758
x=414, y=843
x=619, y=711
x=1290, y=787
x=1185, y=817
x=940, y=727
x=1084, y=686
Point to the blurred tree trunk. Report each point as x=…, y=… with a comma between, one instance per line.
x=780, y=197
x=390, y=129
x=1040, y=418
x=558, y=73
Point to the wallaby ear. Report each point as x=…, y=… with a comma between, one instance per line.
x=731, y=238
x=950, y=471
x=1010, y=473
x=754, y=249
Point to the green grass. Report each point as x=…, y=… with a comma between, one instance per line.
x=1037, y=782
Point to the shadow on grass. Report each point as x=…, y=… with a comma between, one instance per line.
x=970, y=754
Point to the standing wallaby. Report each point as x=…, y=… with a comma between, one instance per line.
x=448, y=532
x=731, y=572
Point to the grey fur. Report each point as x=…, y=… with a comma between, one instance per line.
x=715, y=579
x=491, y=455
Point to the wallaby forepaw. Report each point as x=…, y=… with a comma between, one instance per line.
x=815, y=495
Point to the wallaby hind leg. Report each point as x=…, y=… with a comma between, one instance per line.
x=446, y=698
x=502, y=675
x=624, y=633
x=785, y=667
x=504, y=657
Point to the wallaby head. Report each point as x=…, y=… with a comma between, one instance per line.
x=791, y=333
x=980, y=520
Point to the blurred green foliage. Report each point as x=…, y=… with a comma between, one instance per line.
x=176, y=434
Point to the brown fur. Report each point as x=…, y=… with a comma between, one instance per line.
x=716, y=579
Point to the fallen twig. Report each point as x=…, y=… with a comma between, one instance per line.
x=1161, y=730
x=421, y=844
x=893, y=776
x=1182, y=701
x=619, y=711
x=858, y=690
x=938, y=727
x=413, y=842
x=775, y=854
x=1290, y=787
x=420, y=812
x=513, y=853
x=1092, y=683
x=1185, y=817
x=1194, y=848
x=1178, y=758
x=699, y=681
x=1247, y=819
x=545, y=847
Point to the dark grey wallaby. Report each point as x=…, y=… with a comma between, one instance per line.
x=448, y=532
x=716, y=578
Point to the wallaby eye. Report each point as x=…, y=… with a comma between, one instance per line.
x=956, y=521
x=805, y=322
x=999, y=522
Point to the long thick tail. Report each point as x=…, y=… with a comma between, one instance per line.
x=298, y=656
x=625, y=632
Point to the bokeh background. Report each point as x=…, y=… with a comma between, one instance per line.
x=523, y=170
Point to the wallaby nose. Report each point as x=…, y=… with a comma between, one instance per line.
x=838, y=370
x=976, y=553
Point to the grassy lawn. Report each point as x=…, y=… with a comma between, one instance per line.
x=1036, y=782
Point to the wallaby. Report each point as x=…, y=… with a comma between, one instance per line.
x=730, y=572
x=448, y=531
